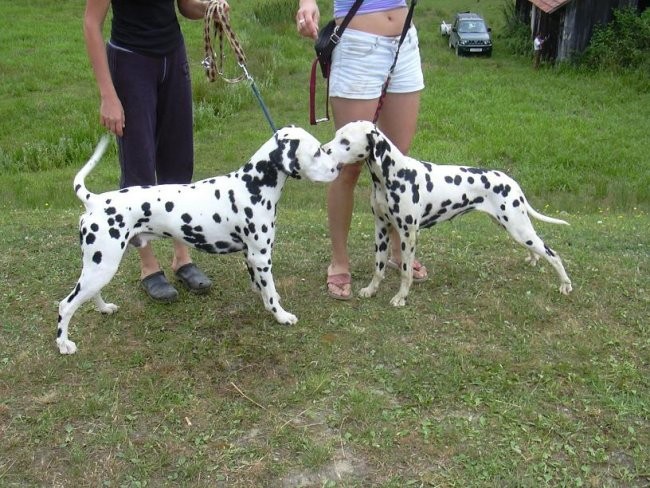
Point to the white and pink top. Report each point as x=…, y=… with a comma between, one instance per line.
x=342, y=7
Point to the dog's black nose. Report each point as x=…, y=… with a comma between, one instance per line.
x=339, y=166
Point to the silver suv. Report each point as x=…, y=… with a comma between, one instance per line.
x=470, y=35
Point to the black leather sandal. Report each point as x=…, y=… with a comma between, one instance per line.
x=193, y=278
x=158, y=288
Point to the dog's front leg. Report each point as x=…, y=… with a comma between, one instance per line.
x=381, y=258
x=408, y=240
x=259, y=268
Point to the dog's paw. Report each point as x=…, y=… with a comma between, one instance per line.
x=367, y=292
x=398, y=301
x=286, y=318
x=532, y=259
x=565, y=288
x=66, y=346
x=108, y=308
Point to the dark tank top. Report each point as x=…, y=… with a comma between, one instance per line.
x=148, y=27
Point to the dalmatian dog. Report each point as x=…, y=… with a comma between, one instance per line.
x=410, y=195
x=224, y=214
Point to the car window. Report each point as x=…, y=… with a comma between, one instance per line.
x=473, y=27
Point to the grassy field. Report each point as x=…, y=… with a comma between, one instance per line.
x=488, y=377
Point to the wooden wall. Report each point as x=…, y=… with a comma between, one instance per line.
x=570, y=27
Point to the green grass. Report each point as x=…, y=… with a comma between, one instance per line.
x=488, y=377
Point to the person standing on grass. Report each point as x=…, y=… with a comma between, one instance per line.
x=538, y=44
x=144, y=83
x=360, y=66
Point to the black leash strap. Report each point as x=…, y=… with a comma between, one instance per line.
x=338, y=32
x=384, y=89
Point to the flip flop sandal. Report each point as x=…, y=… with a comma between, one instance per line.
x=193, y=278
x=417, y=267
x=158, y=288
x=339, y=280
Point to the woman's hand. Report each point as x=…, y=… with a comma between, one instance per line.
x=111, y=115
x=307, y=19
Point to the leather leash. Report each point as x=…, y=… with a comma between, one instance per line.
x=217, y=24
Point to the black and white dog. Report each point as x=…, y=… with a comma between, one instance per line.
x=224, y=214
x=409, y=195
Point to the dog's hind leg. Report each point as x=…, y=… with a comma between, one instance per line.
x=524, y=233
x=88, y=287
x=103, y=307
x=532, y=258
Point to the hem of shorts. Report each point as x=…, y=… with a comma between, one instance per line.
x=364, y=96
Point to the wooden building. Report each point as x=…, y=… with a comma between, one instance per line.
x=569, y=24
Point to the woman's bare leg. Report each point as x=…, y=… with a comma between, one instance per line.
x=398, y=119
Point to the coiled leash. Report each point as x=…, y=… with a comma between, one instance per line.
x=216, y=24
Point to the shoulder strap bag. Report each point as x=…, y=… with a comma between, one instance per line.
x=328, y=37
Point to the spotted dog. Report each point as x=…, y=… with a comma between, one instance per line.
x=224, y=214
x=409, y=195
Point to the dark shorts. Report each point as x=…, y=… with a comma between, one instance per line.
x=157, y=146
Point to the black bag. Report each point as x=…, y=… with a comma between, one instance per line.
x=325, y=44
x=328, y=38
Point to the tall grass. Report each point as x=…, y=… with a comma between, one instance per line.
x=579, y=137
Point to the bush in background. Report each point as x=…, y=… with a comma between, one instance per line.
x=623, y=44
x=516, y=33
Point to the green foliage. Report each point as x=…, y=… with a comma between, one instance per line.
x=42, y=156
x=515, y=37
x=274, y=11
x=623, y=44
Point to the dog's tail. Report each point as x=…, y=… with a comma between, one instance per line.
x=79, y=184
x=542, y=217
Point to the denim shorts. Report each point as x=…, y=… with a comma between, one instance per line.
x=361, y=62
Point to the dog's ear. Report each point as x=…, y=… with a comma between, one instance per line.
x=294, y=164
x=380, y=144
x=284, y=132
x=371, y=138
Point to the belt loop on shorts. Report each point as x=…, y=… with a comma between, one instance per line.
x=409, y=34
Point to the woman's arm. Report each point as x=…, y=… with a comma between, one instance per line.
x=111, y=112
x=195, y=9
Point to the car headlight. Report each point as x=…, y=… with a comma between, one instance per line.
x=464, y=42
